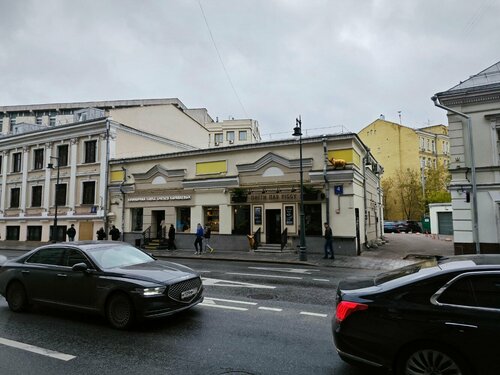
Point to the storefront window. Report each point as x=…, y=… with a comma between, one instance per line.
x=241, y=219
x=136, y=219
x=312, y=218
x=183, y=223
x=212, y=217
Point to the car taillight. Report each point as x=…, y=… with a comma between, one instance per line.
x=346, y=308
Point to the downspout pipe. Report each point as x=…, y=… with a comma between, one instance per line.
x=365, y=163
x=475, y=230
x=327, y=183
x=123, y=201
x=105, y=198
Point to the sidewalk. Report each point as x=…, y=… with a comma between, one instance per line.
x=399, y=250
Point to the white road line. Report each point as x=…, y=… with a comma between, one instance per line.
x=321, y=280
x=270, y=308
x=305, y=271
x=229, y=300
x=255, y=274
x=36, y=349
x=233, y=284
x=313, y=314
x=222, y=306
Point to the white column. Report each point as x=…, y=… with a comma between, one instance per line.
x=5, y=166
x=24, y=183
x=72, y=179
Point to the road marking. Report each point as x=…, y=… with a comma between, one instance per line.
x=270, y=308
x=256, y=274
x=235, y=284
x=321, y=280
x=313, y=314
x=36, y=349
x=304, y=271
x=209, y=303
x=232, y=301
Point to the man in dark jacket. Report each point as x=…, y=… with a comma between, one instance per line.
x=328, y=242
x=171, y=238
x=71, y=232
x=114, y=233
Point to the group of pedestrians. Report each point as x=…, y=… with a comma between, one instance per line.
x=202, y=239
x=101, y=234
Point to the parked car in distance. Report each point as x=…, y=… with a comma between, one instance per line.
x=391, y=227
x=439, y=316
x=110, y=278
x=409, y=226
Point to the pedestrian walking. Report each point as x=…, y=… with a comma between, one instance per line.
x=101, y=234
x=207, y=235
x=114, y=233
x=328, y=242
x=71, y=232
x=171, y=238
x=198, y=242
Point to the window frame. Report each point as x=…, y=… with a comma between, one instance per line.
x=38, y=196
x=240, y=133
x=14, y=198
x=90, y=152
x=58, y=197
x=38, y=158
x=88, y=196
x=17, y=162
x=62, y=158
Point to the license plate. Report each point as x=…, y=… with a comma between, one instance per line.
x=189, y=293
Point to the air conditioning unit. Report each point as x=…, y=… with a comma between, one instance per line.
x=231, y=141
x=216, y=143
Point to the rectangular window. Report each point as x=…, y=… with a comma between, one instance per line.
x=62, y=154
x=14, y=197
x=241, y=219
x=88, y=192
x=137, y=214
x=12, y=122
x=183, y=223
x=242, y=135
x=230, y=136
x=90, y=151
x=16, y=162
x=1, y=164
x=52, y=119
x=218, y=138
x=34, y=233
x=312, y=216
x=36, y=196
x=61, y=194
x=212, y=217
x=38, y=120
x=38, y=159
x=13, y=232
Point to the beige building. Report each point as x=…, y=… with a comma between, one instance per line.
x=398, y=148
x=252, y=189
x=474, y=126
x=79, y=139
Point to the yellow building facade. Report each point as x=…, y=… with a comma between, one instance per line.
x=399, y=148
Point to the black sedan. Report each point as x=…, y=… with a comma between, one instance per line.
x=114, y=279
x=440, y=316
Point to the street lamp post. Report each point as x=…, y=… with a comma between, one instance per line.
x=297, y=132
x=55, y=233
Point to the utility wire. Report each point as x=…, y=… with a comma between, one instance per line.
x=220, y=59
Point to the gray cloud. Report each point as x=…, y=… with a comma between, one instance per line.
x=335, y=63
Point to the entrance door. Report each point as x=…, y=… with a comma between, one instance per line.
x=445, y=223
x=86, y=230
x=273, y=226
x=158, y=218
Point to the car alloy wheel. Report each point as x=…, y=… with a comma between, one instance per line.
x=16, y=297
x=431, y=361
x=120, y=312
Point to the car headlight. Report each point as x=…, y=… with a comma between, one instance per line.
x=150, y=292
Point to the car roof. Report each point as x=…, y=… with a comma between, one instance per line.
x=86, y=245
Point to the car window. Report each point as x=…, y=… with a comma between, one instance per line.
x=458, y=293
x=119, y=256
x=486, y=289
x=52, y=256
x=74, y=256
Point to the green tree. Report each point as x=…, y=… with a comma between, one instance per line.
x=436, y=185
x=409, y=189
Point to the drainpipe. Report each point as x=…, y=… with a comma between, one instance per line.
x=365, y=163
x=123, y=201
x=327, y=183
x=475, y=231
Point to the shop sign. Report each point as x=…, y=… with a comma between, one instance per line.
x=273, y=197
x=160, y=198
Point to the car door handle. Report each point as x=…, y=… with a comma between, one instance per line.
x=460, y=325
x=26, y=272
x=62, y=275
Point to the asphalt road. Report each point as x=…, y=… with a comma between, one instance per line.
x=256, y=319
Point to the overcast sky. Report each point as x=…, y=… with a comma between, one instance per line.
x=335, y=63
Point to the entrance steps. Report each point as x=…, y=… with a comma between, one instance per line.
x=155, y=244
x=272, y=248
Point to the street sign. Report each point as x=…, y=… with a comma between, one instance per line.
x=339, y=189
x=93, y=209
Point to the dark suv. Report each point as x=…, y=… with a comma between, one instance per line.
x=439, y=316
x=409, y=226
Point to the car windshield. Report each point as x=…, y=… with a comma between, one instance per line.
x=118, y=256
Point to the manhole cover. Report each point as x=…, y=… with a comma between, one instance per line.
x=262, y=296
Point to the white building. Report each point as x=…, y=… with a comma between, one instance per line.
x=475, y=160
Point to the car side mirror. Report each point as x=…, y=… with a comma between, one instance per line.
x=80, y=267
